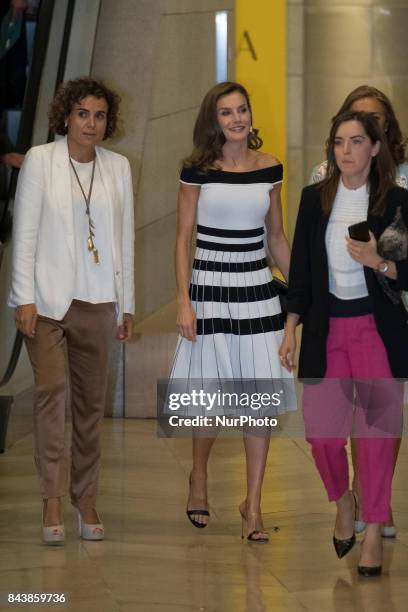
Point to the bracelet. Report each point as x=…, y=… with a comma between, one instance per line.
x=382, y=267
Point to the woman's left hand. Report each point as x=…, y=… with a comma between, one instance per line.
x=364, y=253
x=125, y=330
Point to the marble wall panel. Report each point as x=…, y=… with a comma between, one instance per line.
x=154, y=268
x=167, y=141
x=295, y=39
x=338, y=41
x=123, y=56
x=330, y=3
x=295, y=104
x=185, y=62
x=390, y=33
x=389, y=3
x=122, y=15
x=148, y=357
x=193, y=6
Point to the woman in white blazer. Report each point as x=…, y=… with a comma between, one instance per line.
x=73, y=289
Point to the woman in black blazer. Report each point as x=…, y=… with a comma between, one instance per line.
x=348, y=293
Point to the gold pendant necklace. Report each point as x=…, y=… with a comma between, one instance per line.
x=91, y=245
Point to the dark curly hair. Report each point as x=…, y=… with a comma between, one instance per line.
x=74, y=91
x=396, y=141
x=208, y=137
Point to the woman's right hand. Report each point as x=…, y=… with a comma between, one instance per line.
x=26, y=319
x=287, y=350
x=187, y=320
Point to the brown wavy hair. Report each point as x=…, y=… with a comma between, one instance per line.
x=395, y=138
x=74, y=91
x=382, y=171
x=208, y=137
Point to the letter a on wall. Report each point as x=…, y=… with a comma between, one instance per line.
x=246, y=45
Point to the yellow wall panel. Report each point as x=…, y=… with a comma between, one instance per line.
x=262, y=24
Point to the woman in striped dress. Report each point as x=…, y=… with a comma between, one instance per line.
x=229, y=317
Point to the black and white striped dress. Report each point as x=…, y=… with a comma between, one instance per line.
x=239, y=319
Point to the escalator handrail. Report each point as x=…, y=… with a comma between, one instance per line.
x=25, y=133
x=26, y=127
x=15, y=355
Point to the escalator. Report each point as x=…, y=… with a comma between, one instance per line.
x=56, y=51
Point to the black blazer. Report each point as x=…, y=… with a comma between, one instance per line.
x=308, y=293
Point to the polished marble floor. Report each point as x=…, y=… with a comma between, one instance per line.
x=154, y=560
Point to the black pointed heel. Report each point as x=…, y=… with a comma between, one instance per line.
x=369, y=571
x=342, y=547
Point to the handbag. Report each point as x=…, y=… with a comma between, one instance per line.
x=393, y=245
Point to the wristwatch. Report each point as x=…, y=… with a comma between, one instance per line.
x=382, y=267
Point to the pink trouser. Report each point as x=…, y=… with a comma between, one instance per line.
x=358, y=397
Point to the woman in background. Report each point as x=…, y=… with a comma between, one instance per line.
x=369, y=99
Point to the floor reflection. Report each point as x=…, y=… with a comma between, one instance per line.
x=154, y=560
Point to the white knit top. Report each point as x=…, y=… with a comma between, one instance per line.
x=346, y=276
x=94, y=283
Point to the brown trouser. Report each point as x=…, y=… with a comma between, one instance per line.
x=82, y=340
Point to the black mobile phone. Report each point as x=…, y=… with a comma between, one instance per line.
x=359, y=231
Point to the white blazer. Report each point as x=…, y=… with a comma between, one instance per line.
x=44, y=257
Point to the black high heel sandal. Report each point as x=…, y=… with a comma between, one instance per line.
x=342, y=547
x=197, y=524
x=251, y=537
x=191, y=513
